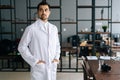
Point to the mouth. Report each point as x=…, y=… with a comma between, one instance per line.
x=43, y=15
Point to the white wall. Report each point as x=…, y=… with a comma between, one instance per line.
x=116, y=16
x=68, y=12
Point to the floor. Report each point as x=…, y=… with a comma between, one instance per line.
x=26, y=76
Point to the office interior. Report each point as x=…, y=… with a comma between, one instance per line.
x=85, y=28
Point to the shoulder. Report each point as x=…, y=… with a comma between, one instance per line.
x=53, y=26
x=32, y=26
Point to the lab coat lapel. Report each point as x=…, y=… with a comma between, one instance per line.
x=43, y=29
x=41, y=26
x=51, y=29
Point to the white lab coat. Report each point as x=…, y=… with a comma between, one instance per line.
x=39, y=44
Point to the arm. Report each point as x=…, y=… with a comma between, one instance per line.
x=56, y=59
x=24, y=49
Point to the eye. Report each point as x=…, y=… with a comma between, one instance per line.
x=40, y=9
x=46, y=10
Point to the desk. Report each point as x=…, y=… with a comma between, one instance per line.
x=114, y=74
x=70, y=50
x=116, y=48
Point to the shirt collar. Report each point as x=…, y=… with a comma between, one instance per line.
x=44, y=25
x=42, y=22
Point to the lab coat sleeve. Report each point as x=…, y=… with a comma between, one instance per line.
x=24, y=49
x=57, y=46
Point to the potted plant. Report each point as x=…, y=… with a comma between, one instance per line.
x=104, y=27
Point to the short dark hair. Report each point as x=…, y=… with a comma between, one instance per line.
x=42, y=3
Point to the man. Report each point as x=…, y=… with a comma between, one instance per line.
x=39, y=46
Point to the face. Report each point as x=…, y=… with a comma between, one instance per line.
x=43, y=12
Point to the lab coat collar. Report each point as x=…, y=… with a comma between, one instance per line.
x=42, y=24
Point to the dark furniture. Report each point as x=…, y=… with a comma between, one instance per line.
x=114, y=74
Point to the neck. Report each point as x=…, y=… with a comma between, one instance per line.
x=44, y=20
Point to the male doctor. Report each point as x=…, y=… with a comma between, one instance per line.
x=40, y=47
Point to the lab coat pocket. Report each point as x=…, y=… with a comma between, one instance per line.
x=38, y=72
x=54, y=66
x=39, y=67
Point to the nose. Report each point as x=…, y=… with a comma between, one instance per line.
x=43, y=11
